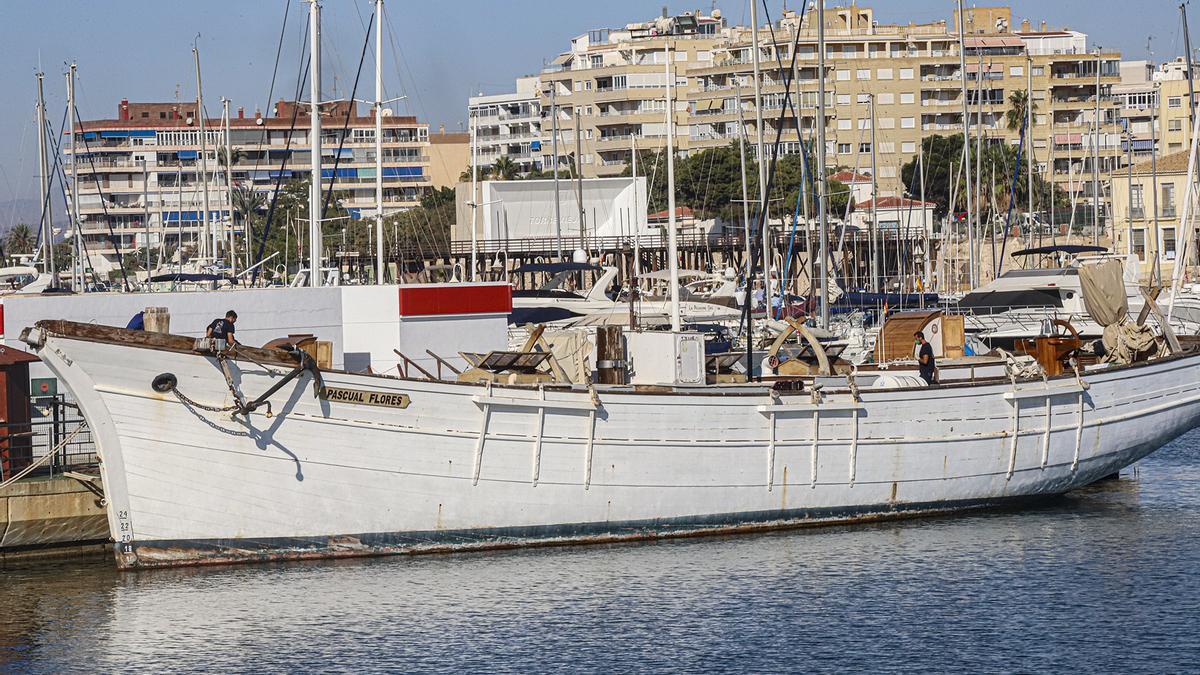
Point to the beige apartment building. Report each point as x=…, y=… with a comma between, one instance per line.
x=1153, y=101
x=903, y=79
x=1146, y=211
x=612, y=84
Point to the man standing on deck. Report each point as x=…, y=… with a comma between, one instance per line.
x=222, y=329
x=925, y=362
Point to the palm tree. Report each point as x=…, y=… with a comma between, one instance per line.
x=247, y=201
x=505, y=169
x=20, y=239
x=235, y=154
x=1016, y=109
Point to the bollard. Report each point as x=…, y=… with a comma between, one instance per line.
x=157, y=320
x=610, y=356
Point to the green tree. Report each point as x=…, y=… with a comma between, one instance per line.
x=20, y=239
x=943, y=174
x=1015, y=115
x=505, y=169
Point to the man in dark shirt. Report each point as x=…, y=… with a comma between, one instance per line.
x=222, y=329
x=925, y=362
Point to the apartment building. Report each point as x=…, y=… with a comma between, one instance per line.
x=905, y=81
x=508, y=125
x=1154, y=108
x=140, y=179
x=611, y=84
x=1146, y=211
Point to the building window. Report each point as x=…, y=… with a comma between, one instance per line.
x=908, y=123
x=597, y=60
x=864, y=98
x=843, y=75
x=1168, y=243
x=906, y=73
x=843, y=99
x=887, y=147
x=884, y=73
x=863, y=74
x=845, y=125
x=907, y=98
x=908, y=147
x=843, y=148
x=1139, y=243
x=1037, y=71
x=1168, y=200
x=886, y=98
x=1175, y=125
x=887, y=122
x=864, y=148
x=887, y=172
x=1136, y=203
x=1174, y=102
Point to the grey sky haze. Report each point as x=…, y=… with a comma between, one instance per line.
x=438, y=51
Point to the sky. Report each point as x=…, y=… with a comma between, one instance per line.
x=437, y=52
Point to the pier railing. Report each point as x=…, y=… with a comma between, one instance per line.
x=52, y=419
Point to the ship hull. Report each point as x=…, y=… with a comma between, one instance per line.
x=461, y=467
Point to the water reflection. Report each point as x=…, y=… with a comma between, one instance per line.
x=1099, y=579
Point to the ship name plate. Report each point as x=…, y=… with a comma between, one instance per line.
x=365, y=397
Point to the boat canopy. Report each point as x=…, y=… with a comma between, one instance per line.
x=190, y=277
x=1069, y=249
x=555, y=268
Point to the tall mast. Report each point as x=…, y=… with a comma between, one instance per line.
x=554, y=149
x=207, y=232
x=146, y=212
x=1154, y=178
x=1187, y=58
x=1029, y=138
x=925, y=228
x=672, y=244
x=314, y=133
x=876, y=235
x=474, y=195
x=379, y=142
x=749, y=300
x=962, y=64
x=1096, y=160
x=762, y=157
x=228, y=182
x=637, y=237
x=579, y=175
x=44, y=184
x=822, y=217
x=77, y=252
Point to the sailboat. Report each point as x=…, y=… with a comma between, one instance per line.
x=256, y=454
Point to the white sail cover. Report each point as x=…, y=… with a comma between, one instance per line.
x=1104, y=291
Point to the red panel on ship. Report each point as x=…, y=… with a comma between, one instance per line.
x=455, y=299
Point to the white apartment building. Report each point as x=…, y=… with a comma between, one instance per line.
x=509, y=125
x=140, y=180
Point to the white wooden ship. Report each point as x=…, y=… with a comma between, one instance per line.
x=344, y=464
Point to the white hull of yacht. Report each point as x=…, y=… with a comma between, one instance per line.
x=465, y=466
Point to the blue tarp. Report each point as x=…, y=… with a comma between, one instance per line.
x=341, y=173
x=188, y=154
x=401, y=171
x=128, y=133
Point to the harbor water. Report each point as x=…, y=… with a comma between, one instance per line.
x=1103, y=579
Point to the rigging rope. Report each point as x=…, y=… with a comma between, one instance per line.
x=44, y=458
